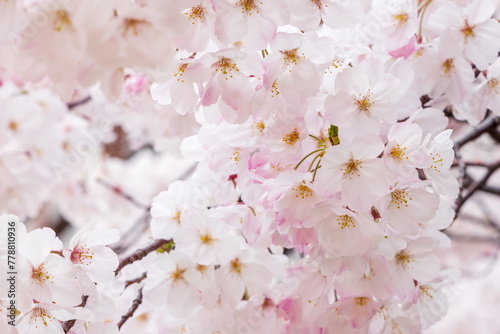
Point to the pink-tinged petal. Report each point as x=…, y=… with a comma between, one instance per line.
x=451, y=44
x=103, y=264
x=449, y=15
x=338, y=107
x=367, y=147
x=406, y=50
x=261, y=32
x=210, y=94
x=482, y=49
x=342, y=14
x=479, y=10
x=160, y=92
x=424, y=268
x=305, y=15
x=232, y=26
x=112, y=84
x=38, y=244
x=184, y=97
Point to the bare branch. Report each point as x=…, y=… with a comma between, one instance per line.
x=491, y=190
x=475, y=186
x=135, y=304
x=473, y=238
x=135, y=230
x=135, y=280
x=67, y=325
x=79, y=103
x=140, y=254
x=118, y=191
x=462, y=174
x=487, y=125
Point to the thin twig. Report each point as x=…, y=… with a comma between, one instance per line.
x=118, y=191
x=136, y=280
x=462, y=174
x=135, y=230
x=476, y=186
x=491, y=122
x=135, y=304
x=78, y=103
x=140, y=254
x=472, y=238
x=142, y=223
x=491, y=190
x=67, y=325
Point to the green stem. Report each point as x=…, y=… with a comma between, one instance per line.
x=320, y=140
x=313, y=161
x=307, y=156
x=316, y=170
x=424, y=9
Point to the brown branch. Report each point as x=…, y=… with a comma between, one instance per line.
x=135, y=280
x=140, y=254
x=491, y=190
x=471, y=164
x=475, y=186
x=67, y=325
x=78, y=103
x=472, y=238
x=118, y=191
x=135, y=304
x=462, y=174
x=134, y=231
x=487, y=125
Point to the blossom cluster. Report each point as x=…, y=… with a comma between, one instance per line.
x=322, y=156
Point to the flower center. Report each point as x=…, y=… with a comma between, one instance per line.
x=41, y=314
x=247, y=6
x=235, y=157
x=236, y=266
x=437, y=162
x=403, y=259
x=352, y=166
x=13, y=126
x=62, y=19
x=401, y=19
x=345, y=221
x=291, y=57
x=467, y=30
x=180, y=72
x=493, y=86
x=426, y=291
x=363, y=103
x=260, y=126
x=291, y=138
x=303, y=191
x=177, y=217
x=398, y=152
x=201, y=268
x=177, y=275
x=207, y=239
x=447, y=66
x=196, y=13
x=399, y=198
x=274, y=89
x=81, y=255
x=225, y=65
x=40, y=275
x=133, y=25
x=361, y=301
x=318, y=3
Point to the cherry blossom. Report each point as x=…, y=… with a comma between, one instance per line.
x=87, y=250
x=349, y=168
x=247, y=166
